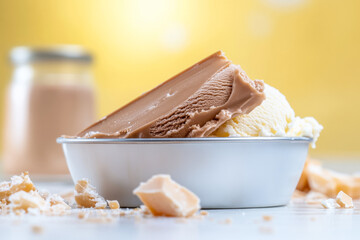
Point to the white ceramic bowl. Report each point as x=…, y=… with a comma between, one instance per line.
x=223, y=172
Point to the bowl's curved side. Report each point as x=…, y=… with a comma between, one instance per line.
x=222, y=174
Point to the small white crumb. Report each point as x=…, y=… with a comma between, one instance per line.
x=145, y=210
x=330, y=203
x=137, y=209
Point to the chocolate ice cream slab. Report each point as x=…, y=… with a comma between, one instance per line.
x=193, y=103
x=222, y=172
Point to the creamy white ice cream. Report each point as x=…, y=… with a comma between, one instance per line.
x=274, y=117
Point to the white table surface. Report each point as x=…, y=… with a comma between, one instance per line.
x=294, y=221
x=291, y=222
x=297, y=220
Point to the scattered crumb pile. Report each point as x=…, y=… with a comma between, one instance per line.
x=161, y=196
x=328, y=182
x=20, y=196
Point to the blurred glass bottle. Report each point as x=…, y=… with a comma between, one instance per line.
x=51, y=94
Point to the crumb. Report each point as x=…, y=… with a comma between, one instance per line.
x=344, y=200
x=17, y=183
x=81, y=215
x=44, y=194
x=87, y=197
x=204, y=213
x=26, y=200
x=113, y=204
x=330, y=203
x=20, y=196
x=313, y=219
x=19, y=212
x=145, y=210
x=131, y=212
x=101, y=204
x=57, y=203
x=227, y=221
x=267, y=218
x=37, y=229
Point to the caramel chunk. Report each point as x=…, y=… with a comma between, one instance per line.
x=17, y=183
x=113, y=204
x=25, y=200
x=164, y=197
x=331, y=182
x=87, y=197
x=57, y=203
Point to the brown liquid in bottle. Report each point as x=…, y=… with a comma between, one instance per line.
x=36, y=116
x=51, y=94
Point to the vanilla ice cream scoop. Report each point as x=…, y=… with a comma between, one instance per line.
x=274, y=117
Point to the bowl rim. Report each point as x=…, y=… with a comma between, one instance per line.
x=67, y=140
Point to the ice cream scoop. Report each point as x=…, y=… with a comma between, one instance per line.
x=194, y=103
x=273, y=118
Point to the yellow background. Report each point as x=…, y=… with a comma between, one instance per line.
x=308, y=49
